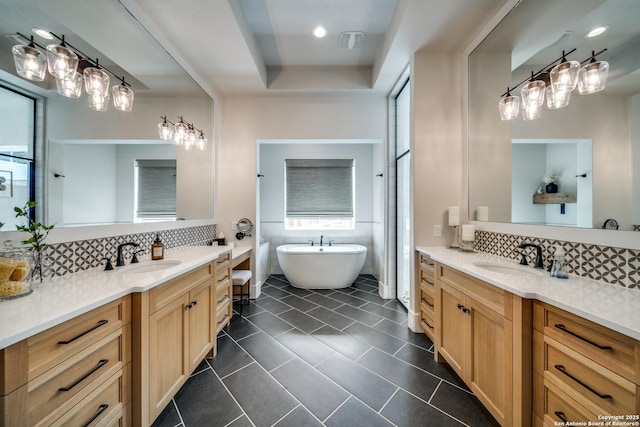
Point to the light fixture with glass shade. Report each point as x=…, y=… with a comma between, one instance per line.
x=183, y=134
x=62, y=62
x=593, y=76
x=165, y=129
x=71, y=87
x=99, y=102
x=532, y=95
x=509, y=106
x=564, y=76
x=122, y=96
x=30, y=62
x=96, y=80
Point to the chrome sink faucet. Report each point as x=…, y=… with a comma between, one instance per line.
x=537, y=263
x=120, y=256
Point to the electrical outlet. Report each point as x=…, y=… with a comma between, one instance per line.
x=437, y=231
x=234, y=225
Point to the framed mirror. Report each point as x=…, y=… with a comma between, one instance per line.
x=593, y=143
x=85, y=161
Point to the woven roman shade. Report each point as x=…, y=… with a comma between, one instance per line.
x=156, y=188
x=319, y=188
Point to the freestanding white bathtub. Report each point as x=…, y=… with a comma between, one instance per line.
x=321, y=267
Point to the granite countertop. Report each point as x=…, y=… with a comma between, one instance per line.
x=613, y=306
x=66, y=297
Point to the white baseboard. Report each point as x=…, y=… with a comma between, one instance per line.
x=413, y=321
x=384, y=291
x=256, y=290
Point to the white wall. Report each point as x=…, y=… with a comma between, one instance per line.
x=272, y=198
x=245, y=120
x=635, y=153
x=529, y=165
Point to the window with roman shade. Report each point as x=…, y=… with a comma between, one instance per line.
x=156, y=189
x=319, y=188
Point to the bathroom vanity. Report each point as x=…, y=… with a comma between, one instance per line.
x=534, y=350
x=112, y=346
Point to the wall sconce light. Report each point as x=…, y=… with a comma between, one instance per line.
x=69, y=66
x=556, y=82
x=182, y=133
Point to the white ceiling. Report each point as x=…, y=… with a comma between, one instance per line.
x=266, y=46
x=251, y=46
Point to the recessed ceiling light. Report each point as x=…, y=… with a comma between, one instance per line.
x=596, y=31
x=42, y=33
x=319, y=31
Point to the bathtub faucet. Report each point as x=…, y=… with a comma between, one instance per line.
x=321, y=237
x=311, y=242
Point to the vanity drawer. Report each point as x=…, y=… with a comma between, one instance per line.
x=427, y=303
x=222, y=316
x=427, y=323
x=553, y=406
x=611, y=349
x=104, y=406
x=55, y=345
x=164, y=294
x=490, y=296
x=222, y=262
x=593, y=386
x=223, y=281
x=427, y=281
x=222, y=297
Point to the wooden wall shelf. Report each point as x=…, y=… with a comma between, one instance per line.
x=554, y=198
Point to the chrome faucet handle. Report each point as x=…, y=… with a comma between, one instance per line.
x=310, y=241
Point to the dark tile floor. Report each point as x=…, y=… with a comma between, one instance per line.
x=323, y=358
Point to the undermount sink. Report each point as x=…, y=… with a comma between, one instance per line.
x=149, y=266
x=514, y=270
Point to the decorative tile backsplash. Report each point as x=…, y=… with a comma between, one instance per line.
x=618, y=266
x=71, y=257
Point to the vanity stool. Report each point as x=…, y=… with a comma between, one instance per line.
x=240, y=279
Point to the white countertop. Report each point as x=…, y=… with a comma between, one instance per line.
x=613, y=306
x=69, y=296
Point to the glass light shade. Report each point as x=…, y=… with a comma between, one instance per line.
x=71, y=87
x=62, y=62
x=190, y=139
x=564, y=76
x=122, y=97
x=96, y=80
x=165, y=130
x=533, y=94
x=509, y=107
x=593, y=77
x=99, y=102
x=30, y=62
x=202, y=142
x=531, y=112
x=557, y=98
x=180, y=132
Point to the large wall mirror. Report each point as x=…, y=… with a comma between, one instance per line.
x=87, y=162
x=593, y=143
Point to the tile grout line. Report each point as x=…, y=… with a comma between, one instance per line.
x=229, y=391
x=287, y=414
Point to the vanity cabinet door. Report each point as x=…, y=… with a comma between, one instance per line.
x=454, y=330
x=201, y=327
x=489, y=370
x=169, y=363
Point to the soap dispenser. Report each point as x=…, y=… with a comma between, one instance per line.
x=157, y=249
x=559, y=268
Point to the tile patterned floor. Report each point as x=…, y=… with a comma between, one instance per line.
x=323, y=358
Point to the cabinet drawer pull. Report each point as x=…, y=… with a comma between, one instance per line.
x=223, y=319
x=427, y=282
x=101, y=409
x=100, y=364
x=427, y=323
x=460, y=306
x=427, y=302
x=223, y=298
x=562, y=369
x=81, y=334
x=561, y=415
x=223, y=279
x=564, y=329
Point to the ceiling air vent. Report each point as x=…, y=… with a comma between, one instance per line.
x=351, y=40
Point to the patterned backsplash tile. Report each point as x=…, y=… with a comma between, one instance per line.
x=71, y=257
x=617, y=266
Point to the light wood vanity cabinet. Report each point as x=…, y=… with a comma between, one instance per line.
x=224, y=292
x=582, y=369
x=484, y=334
x=174, y=327
x=427, y=280
x=72, y=374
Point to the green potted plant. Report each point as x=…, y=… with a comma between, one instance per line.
x=39, y=233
